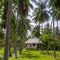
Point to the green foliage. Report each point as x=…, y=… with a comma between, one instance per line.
x=33, y=55
x=3, y=24
x=27, y=26
x=1, y=38
x=36, y=31
x=54, y=3
x=4, y=16
x=57, y=36
x=36, y=55
x=1, y=34
x=24, y=7
x=55, y=8
x=47, y=35
x=40, y=14
x=1, y=7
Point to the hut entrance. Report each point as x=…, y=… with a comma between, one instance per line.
x=38, y=46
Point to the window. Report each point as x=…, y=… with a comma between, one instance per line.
x=26, y=45
x=33, y=44
x=30, y=45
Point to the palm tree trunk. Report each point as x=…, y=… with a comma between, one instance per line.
x=22, y=15
x=15, y=42
x=6, y=50
x=48, y=39
x=15, y=49
x=9, y=50
x=42, y=27
x=48, y=47
x=40, y=46
x=51, y=24
x=57, y=34
x=54, y=40
x=57, y=25
x=22, y=35
x=39, y=31
x=42, y=33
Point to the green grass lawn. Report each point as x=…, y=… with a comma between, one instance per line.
x=36, y=55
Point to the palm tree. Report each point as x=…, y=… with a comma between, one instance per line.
x=54, y=37
x=6, y=50
x=55, y=5
x=15, y=40
x=48, y=37
x=36, y=31
x=40, y=13
x=27, y=27
x=4, y=17
x=57, y=18
x=23, y=12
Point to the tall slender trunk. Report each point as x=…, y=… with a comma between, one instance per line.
x=48, y=39
x=15, y=48
x=42, y=27
x=51, y=24
x=6, y=50
x=48, y=47
x=39, y=31
x=57, y=25
x=22, y=15
x=57, y=34
x=9, y=50
x=42, y=44
x=54, y=39
x=15, y=42
x=22, y=35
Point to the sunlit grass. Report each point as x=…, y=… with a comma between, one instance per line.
x=34, y=55
x=37, y=55
x=1, y=51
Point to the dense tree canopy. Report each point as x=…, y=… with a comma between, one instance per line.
x=16, y=20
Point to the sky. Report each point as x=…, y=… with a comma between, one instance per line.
x=31, y=12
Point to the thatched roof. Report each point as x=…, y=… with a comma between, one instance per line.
x=34, y=40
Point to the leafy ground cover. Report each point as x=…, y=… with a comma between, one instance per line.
x=35, y=55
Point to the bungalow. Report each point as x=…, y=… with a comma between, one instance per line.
x=33, y=43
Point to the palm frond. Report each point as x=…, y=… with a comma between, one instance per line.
x=33, y=1
x=4, y=16
x=24, y=7
x=40, y=14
